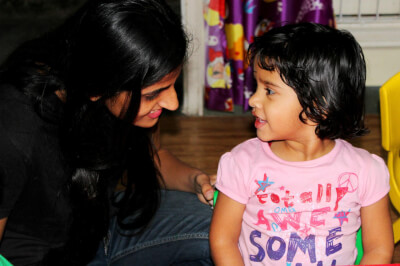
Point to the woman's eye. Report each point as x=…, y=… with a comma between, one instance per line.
x=269, y=91
x=150, y=96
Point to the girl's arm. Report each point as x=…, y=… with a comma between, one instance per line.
x=225, y=229
x=177, y=175
x=377, y=233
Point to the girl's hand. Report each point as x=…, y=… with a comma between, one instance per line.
x=204, y=187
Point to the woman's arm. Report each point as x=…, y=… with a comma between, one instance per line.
x=3, y=222
x=226, y=225
x=377, y=233
x=177, y=175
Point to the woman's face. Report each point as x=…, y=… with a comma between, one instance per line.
x=160, y=95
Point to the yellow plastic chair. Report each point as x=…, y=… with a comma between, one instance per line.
x=389, y=95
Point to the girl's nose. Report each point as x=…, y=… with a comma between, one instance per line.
x=169, y=100
x=253, y=100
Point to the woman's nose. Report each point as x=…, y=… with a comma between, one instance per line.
x=169, y=100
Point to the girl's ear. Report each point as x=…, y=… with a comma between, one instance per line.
x=94, y=98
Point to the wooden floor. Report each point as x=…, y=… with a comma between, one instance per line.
x=200, y=141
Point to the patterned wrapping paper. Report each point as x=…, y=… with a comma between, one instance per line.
x=231, y=26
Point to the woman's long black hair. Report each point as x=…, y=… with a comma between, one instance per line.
x=106, y=47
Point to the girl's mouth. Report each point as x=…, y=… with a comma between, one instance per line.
x=259, y=122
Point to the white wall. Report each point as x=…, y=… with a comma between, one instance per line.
x=381, y=46
x=194, y=69
x=382, y=64
x=376, y=26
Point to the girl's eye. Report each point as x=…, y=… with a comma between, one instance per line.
x=269, y=91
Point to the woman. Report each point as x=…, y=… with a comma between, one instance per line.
x=78, y=141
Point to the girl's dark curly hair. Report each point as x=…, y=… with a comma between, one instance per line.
x=326, y=69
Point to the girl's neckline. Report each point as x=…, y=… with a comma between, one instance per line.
x=324, y=158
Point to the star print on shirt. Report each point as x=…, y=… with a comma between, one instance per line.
x=305, y=230
x=263, y=184
x=342, y=216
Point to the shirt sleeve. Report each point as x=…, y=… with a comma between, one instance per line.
x=12, y=175
x=376, y=184
x=230, y=179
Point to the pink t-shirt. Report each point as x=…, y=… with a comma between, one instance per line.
x=301, y=212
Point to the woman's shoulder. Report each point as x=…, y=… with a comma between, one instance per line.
x=15, y=106
x=10, y=96
x=18, y=121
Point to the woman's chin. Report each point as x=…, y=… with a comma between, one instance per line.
x=146, y=122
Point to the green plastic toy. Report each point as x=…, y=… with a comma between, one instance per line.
x=4, y=261
x=215, y=197
x=359, y=246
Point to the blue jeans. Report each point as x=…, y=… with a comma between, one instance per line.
x=178, y=235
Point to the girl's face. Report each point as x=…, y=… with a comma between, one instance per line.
x=277, y=108
x=161, y=95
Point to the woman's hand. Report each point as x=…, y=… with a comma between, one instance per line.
x=204, y=187
x=177, y=175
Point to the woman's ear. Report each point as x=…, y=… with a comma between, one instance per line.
x=94, y=98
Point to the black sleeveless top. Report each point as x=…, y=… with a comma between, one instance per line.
x=33, y=177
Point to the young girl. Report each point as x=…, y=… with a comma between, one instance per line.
x=298, y=193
